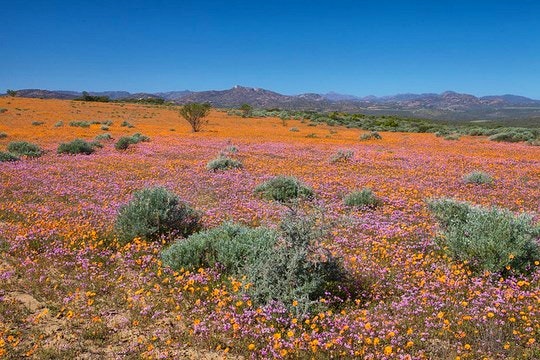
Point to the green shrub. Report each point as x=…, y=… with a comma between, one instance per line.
x=37, y=123
x=3, y=135
x=223, y=163
x=492, y=239
x=104, y=127
x=298, y=268
x=374, y=135
x=283, y=189
x=23, y=148
x=127, y=124
x=230, y=245
x=342, y=156
x=107, y=122
x=154, y=212
x=8, y=157
x=105, y=136
x=138, y=137
x=478, y=177
x=452, y=137
x=284, y=265
x=294, y=129
x=2, y=110
x=364, y=198
x=83, y=124
x=123, y=143
x=77, y=146
x=59, y=124
x=511, y=136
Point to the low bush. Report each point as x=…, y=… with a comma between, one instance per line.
x=59, y=124
x=8, y=157
x=491, y=239
x=374, y=135
x=127, y=124
x=294, y=129
x=104, y=127
x=342, y=156
x=154, y=212
x=124, y=142
x=283, y=189
x=364, y=198
x=478, y=177
x=288, y=265
x=452, y=137
x=38, y=123
x=105, y=136
x=230, y=245
x=83, y=124
x=223, y=163
x=3, y=135
x=23, y=148
x=77, y=146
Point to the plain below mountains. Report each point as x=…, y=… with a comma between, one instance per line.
x=448, y=105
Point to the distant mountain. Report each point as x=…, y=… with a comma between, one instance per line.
x=173, y=95
x=448, y=105
x=334, y=96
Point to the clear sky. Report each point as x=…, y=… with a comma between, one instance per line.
x=355, y=47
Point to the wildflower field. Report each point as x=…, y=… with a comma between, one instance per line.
x=69, y=289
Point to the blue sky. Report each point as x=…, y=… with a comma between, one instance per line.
x=356, y=47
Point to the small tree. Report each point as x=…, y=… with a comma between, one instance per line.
x=246, y=110
x=11, y=92
x=195, y=113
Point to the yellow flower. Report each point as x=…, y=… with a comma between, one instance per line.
x=387, y=350
x=251, y=347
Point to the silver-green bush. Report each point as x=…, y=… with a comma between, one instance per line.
x=283, y=189
x=478, y=177
x=223, y=163
x=154, y=212
x=364, y=198
x=492, y=239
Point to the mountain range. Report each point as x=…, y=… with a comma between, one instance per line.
x=448, y=105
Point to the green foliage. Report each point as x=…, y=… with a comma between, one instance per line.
x=491, y=239
x=364, y=198
x=83, y=124
x=23, y=148
x=452, y=137
x=87, y=97
x=294, y=129
x=155, y=212
x=105, y=136
x=246, y=110
x=127, y=124
x=8, y=157
x=297, y=269
x=284, y=265
x=11, y=93
x=371, y=136
x=77, y=146
x=342, y=156
x=59, y=124
x=478, y=177
x=229, y=245
x=124, y=142
x=514, y=135
x=3, y=135
x=283, y=189
x=2, y=110
x=104, y=127
x=223, y=163
x=38, y=123
x=195, y=114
